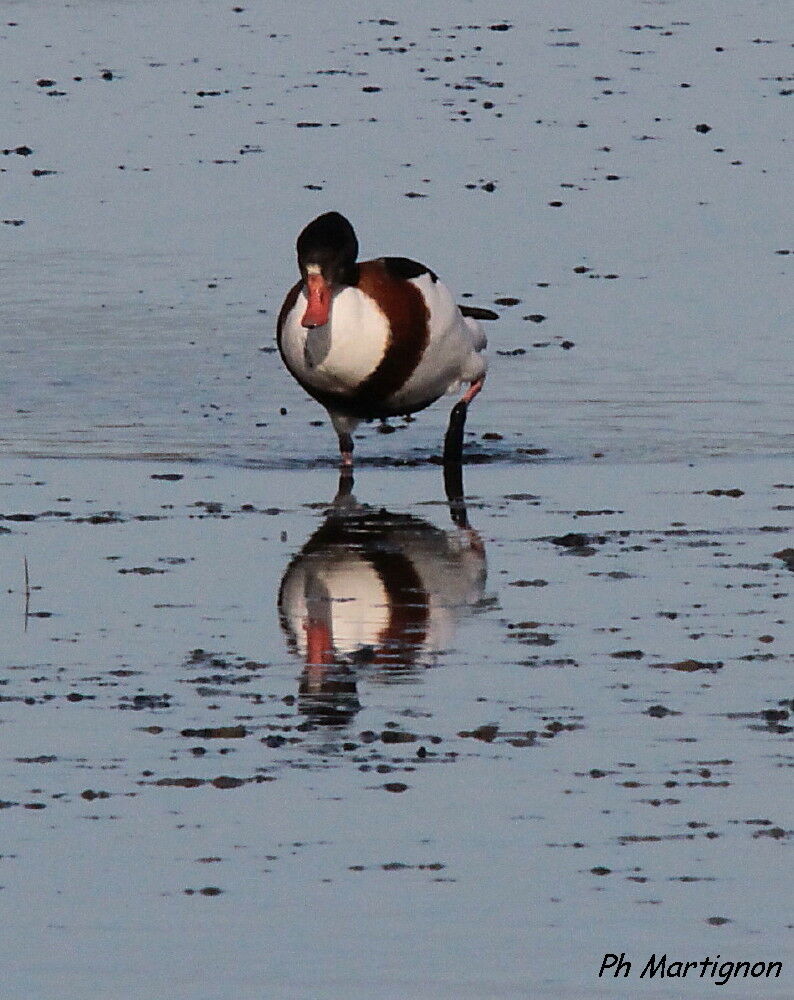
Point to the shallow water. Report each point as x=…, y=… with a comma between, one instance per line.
x=548, y=747
x=260, y=740
x=156, y=247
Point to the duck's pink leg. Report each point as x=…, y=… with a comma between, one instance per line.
x=472, y=391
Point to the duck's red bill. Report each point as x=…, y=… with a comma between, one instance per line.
x=318, y=293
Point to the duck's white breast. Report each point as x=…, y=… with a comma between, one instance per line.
x=339, y=356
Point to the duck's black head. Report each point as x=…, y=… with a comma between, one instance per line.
x=327, y=251
x=329, y=242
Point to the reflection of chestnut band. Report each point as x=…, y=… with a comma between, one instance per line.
x=409, y=609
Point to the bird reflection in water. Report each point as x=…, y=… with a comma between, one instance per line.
x=376, y=592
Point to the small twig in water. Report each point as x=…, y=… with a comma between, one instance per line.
x=27, y=593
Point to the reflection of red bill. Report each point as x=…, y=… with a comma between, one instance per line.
x=319, y=643
x=318, y=292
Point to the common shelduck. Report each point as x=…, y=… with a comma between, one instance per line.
x=375, y=339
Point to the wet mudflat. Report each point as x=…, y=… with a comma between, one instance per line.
x=260, y=736
x=251, y=737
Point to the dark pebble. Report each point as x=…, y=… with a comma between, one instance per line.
x=775, y=832
x=141, y=701
x=787, y=555
x=216, y=733
x=396, y=736
x=486, y=733
x=573, y=540
x=689, y=666
x=224, y=781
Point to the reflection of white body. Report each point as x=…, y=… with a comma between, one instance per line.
x=390, y=585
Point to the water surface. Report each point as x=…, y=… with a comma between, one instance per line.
x=176, y=153
x=256, y=742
